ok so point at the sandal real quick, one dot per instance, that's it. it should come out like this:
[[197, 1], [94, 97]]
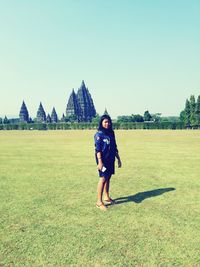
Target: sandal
[[101, 207], [109, 201]]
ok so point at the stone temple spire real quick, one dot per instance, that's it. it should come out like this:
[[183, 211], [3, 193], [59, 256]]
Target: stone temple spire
[[73, 107], [54, 116], [41, 115], [86, 103], [48, 120], [23, 114], [81, 104]]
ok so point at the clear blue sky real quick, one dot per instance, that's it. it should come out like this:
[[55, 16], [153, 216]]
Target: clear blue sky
[[134, 55]]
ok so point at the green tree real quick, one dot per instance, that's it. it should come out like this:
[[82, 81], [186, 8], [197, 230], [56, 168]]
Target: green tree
[[192, 111], [198, 111], [171, 118], [147, 116], [71, 118], [125, 118], [6, 120], [138, 118], [96, 118], [187, 113], [182, 116], [156, 117]]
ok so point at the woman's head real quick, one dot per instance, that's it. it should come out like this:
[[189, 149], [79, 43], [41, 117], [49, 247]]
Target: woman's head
[[105, 123]]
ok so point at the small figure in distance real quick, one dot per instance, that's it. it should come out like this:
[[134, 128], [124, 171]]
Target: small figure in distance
[[105, 152]]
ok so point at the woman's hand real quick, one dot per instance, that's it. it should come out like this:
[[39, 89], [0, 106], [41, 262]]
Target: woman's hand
[[119, 163], [119, 160], [100, 165]]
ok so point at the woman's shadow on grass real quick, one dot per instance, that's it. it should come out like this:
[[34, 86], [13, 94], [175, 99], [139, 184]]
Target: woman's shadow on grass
[[139, 197]]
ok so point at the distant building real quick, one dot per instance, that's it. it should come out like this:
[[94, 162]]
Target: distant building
[[73, 107], [54, 116], [80, 108], [81, 105], [23, 114], [48, 120], [41, 115]]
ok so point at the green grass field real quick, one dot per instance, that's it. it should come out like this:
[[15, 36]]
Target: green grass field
[[48, 186]]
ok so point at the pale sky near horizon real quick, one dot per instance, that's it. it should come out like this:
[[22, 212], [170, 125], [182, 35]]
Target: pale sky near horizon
[[134, 55]]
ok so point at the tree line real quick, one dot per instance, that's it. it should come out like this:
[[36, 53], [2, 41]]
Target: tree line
[[189, 119], [190, 116], [91, 125]]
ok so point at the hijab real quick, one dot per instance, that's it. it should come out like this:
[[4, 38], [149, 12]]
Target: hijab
[[108, 131]]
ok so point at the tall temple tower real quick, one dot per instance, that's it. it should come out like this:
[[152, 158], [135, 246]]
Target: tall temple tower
[[54, 116], [23, 114], [81, 105], [73, 107], [86, 103], [41, 115]]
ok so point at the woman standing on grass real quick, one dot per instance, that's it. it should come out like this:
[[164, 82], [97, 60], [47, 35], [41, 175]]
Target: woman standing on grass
[[105, 152]]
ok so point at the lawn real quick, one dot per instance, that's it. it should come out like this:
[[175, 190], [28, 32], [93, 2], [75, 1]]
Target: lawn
[[48, 183]]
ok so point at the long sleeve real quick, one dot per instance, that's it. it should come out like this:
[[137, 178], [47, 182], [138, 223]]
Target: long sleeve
[[115, 144], [98, 143]]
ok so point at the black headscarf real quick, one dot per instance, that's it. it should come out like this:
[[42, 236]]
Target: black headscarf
[[108, 131]]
